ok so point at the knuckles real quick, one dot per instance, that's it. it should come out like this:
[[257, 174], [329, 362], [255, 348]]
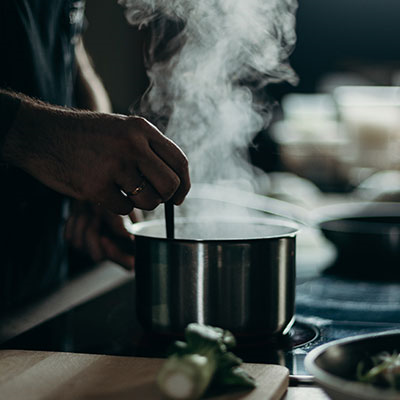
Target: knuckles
[[140, 125], [129, 148]]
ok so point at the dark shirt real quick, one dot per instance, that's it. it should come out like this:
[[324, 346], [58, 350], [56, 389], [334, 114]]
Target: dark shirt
[[37, 39]]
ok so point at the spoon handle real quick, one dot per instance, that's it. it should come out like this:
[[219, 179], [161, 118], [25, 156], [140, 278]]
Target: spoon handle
[[169, 219]]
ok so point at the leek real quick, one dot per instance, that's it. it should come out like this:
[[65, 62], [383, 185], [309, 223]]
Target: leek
[[202, 360]]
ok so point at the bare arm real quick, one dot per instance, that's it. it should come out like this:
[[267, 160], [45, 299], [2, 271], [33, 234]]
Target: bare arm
[[93, 156], [90, 229], [90, 92]]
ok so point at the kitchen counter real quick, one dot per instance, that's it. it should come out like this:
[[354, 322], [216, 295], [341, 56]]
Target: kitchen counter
[[77, 290], [66, 320], [80, 291], [39, 375]]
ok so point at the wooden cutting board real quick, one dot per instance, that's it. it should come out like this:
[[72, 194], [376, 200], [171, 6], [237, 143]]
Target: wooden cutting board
[[34, 375]]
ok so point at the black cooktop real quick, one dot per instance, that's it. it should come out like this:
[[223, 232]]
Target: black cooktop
[[328, 308]]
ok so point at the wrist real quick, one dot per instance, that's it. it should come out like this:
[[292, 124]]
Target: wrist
[[35, 140], [19, 137]]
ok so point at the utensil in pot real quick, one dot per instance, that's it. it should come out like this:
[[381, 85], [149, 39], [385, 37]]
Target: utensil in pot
[[169, 219], [235, 273]]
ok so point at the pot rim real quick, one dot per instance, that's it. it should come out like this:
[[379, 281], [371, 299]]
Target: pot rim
[[291, 227]]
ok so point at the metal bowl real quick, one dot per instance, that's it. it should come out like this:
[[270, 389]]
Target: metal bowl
[[366, 236], [333, 366]]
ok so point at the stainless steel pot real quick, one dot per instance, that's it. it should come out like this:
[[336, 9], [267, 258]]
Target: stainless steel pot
[[236, 274]]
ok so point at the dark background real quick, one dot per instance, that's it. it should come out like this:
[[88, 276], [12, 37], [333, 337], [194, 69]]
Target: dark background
[[357, 36], [338, 42]]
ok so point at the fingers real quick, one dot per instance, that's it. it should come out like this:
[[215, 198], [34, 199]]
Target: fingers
[[134, 157], [100, 234], [136, 215], [76, 224], [82, 232], [115, 254], [173, 156], [81, 223], [116, 225], [115, 201], [147, 198], [163, 163], [93, 242], [160, 176]]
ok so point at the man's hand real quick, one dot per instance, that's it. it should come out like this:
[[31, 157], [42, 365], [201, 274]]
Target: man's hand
[[99, 234], [97, 157]]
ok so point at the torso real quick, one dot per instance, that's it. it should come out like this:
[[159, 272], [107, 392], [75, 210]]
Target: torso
[[37, 40]]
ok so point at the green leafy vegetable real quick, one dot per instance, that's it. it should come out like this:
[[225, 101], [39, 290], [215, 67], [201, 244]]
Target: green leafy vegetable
[[203, 359], [385, 370]]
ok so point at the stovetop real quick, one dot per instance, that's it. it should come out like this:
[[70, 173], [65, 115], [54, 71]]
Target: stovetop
[[327, 308]]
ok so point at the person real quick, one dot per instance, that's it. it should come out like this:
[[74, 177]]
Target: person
[[59, 141]]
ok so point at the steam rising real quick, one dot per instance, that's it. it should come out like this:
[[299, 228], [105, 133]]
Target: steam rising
[[215, 56]]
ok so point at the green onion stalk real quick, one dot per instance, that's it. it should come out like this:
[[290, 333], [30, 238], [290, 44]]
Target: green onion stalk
[[202, 360]]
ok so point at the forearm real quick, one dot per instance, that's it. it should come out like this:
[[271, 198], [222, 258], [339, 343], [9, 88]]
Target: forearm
[[90, 92], [93, 156], [54, 143], [39, 135]]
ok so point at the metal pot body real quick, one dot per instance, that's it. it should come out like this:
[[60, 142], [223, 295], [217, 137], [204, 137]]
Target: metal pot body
[[244, 285]]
